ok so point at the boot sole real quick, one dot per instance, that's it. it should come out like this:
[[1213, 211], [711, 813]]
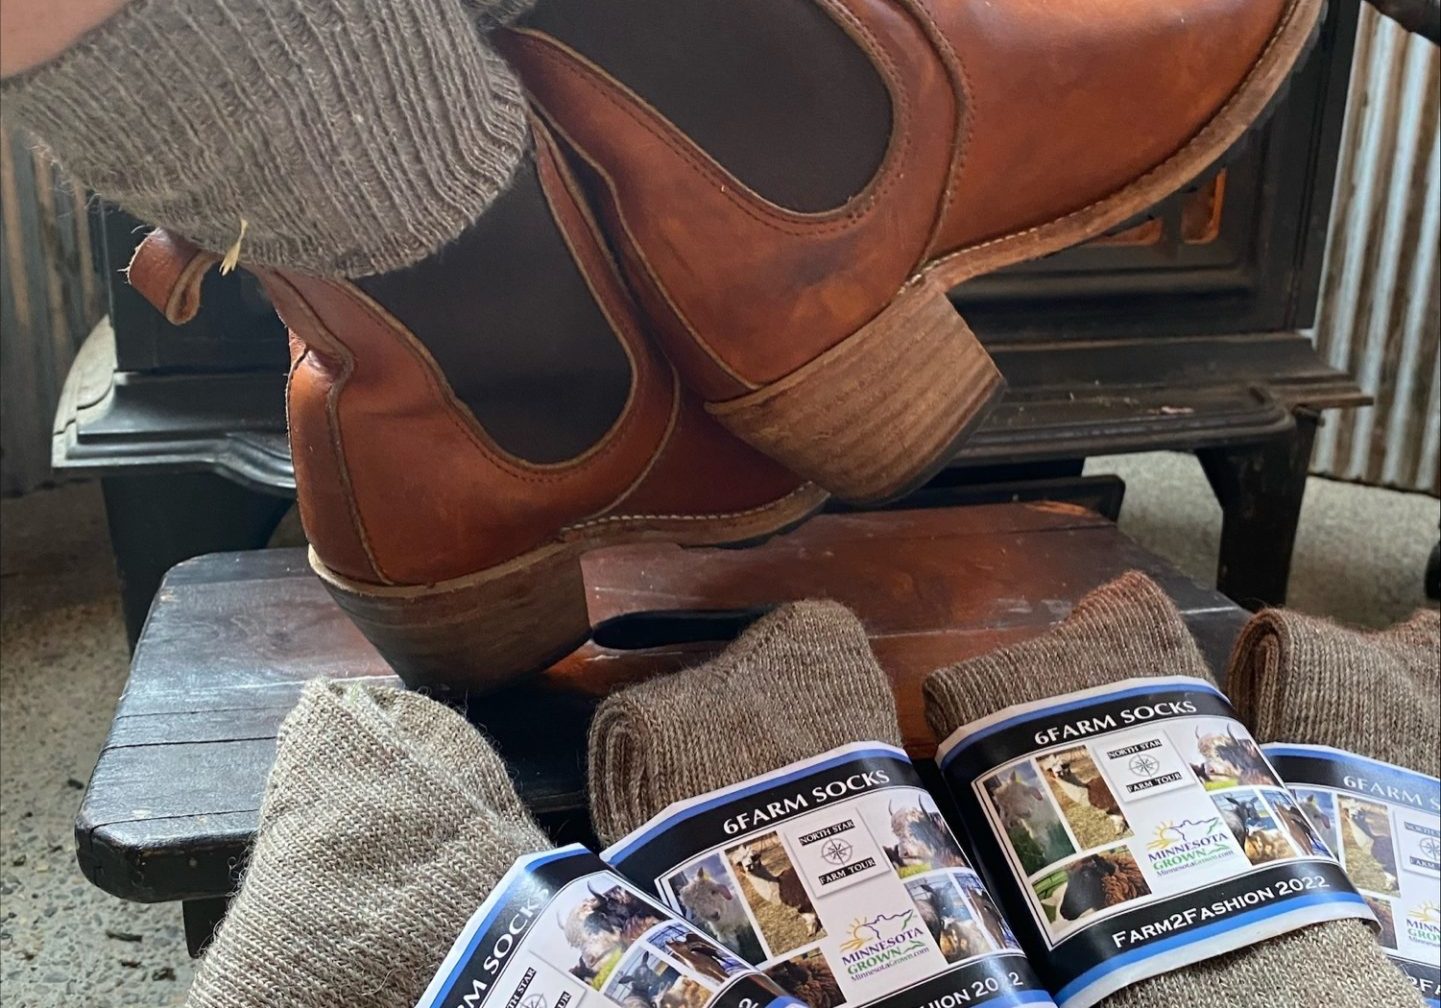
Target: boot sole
[[882, 411], [488, 628]]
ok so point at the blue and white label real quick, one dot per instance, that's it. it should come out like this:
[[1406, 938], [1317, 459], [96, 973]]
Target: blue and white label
[[839, 877], [561, 930], [1384, 823], [1135, 829]]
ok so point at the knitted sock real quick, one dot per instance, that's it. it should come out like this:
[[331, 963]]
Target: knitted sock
[[350, 137], [387, 820], [1298, 678], [798, 683], [1126, 629]]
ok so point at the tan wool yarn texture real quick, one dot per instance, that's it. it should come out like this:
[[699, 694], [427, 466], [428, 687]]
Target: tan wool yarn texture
[[350, 137], [1298, 678], [387, 819], [799, 682], [1128, 629]]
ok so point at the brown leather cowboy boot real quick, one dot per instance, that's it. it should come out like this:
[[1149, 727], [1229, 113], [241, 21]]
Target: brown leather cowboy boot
[[793, 185], [462, 430]]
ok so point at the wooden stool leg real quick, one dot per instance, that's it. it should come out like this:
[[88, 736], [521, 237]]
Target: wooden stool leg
[[201, 917]]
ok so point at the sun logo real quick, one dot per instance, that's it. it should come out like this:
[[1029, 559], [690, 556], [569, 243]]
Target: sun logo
[[864, 931], [1426, 913], [1166, 835]]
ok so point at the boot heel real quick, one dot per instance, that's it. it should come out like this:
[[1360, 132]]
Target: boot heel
[[879, 413], [477, 632]]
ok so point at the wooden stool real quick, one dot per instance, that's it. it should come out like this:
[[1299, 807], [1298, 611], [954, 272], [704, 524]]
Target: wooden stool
[[231, 638]]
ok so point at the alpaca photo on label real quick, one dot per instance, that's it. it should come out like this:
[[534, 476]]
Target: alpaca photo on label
[[1304, 835], [808, 976], [773, 890], [1254, 825], [1320, 809], [1088, 885], [1029, 816], [947, 916], [1367, 848], [709, 896], [1085, 797]]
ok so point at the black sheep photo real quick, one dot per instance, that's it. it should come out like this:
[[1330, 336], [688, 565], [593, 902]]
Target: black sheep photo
[[773, 890], [1092, 884], [808, 976]]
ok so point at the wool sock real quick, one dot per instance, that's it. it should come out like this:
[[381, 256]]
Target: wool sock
[[798, 683], [1127, 629], [387, 819], [350, 137], [1297, 678]]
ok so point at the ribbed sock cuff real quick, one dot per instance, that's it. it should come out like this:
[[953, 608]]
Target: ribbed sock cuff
[[799, 682], [1126, 629], [1297, 678], [387, 819], [351, 137]]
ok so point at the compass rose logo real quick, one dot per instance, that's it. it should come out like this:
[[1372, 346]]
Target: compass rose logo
[[837, 852], [534, 1001], [1431, 847], [1143, 766]]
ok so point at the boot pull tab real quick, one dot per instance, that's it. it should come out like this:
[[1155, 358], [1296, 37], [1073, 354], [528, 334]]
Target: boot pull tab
[[167, 271]]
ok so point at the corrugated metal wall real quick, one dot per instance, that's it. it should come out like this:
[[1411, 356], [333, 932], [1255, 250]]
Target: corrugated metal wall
[[50, 298], [1380, 313]]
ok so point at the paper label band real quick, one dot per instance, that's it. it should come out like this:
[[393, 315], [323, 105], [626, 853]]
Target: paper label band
[[562, 931], [839, 878], [1384, 823], [1135, 829]]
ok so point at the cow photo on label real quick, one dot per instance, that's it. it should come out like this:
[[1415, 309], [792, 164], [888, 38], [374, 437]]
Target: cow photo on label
[[920, 840], [773, 890], [1254, 825], [947, 916], [1222, 755], [1029, 816], [709, 896], [1085, 797], [1089, 885], [1368, 850]]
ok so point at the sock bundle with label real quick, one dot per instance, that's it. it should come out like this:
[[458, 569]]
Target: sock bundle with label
[[1127, 629], [1297, 678], [351, 137], [387, 819], [798, 683]]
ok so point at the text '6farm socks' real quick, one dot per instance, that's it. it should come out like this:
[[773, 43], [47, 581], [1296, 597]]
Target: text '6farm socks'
[[1127, 629], [387, 820]]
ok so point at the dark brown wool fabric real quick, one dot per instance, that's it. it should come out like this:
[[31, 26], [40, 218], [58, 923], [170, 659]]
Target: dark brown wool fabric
[[1297, 678], [387, 819], [799, 682], [1126, 629]]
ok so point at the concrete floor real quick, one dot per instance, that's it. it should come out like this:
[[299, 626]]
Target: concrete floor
[[1360, 556]]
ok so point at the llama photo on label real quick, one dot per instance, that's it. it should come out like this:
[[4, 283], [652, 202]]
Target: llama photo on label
[[1304, 835], [808, 976], [773, 890], [1367, 847], [1223, 755], [1089, 885], [709, 897], [1085, 797], [947, 916], [920, 840], [1029, 816], [1254, 825], [1320, 809]]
